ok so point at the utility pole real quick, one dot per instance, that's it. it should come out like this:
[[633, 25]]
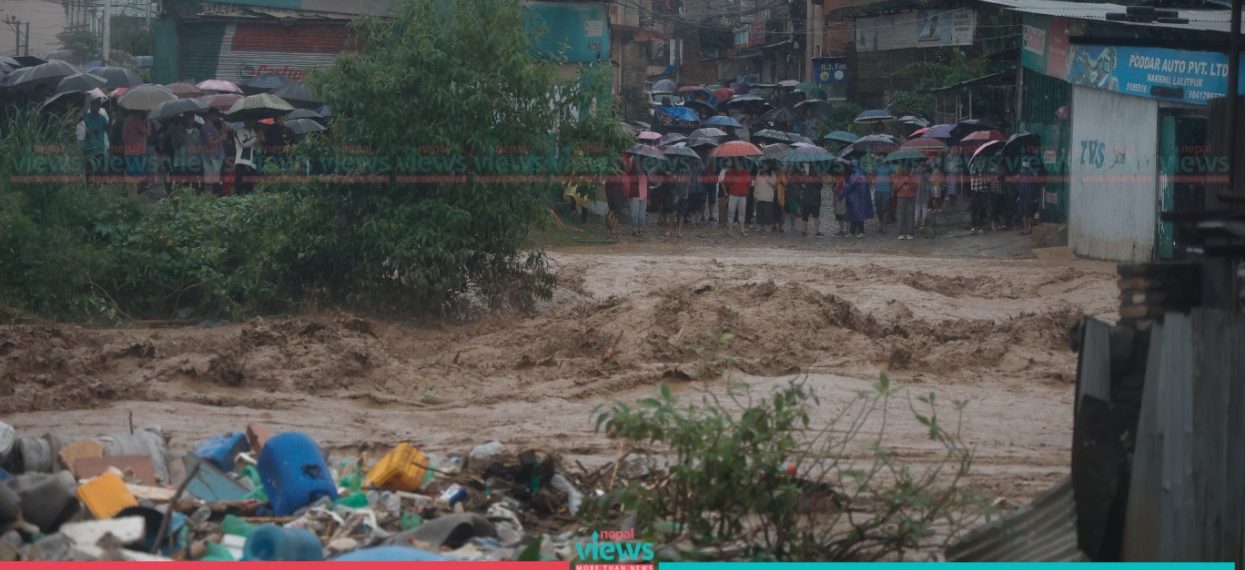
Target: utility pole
[[16, 24], [107, 32], [27, 36]]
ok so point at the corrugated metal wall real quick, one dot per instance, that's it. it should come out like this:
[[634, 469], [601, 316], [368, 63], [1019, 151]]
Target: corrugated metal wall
[[1113, 209], [242, 50]]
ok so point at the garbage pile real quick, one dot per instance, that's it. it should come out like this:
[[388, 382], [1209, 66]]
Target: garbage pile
[[260, 495]]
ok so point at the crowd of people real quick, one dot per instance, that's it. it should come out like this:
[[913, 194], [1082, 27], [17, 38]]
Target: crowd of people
[[764, 195], [197, 149]]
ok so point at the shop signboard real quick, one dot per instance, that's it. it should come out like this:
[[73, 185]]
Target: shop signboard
[[916, 29], [830, 70], [1192, 77]]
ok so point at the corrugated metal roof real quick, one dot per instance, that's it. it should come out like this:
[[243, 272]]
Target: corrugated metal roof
[[1199, 20], [1043, 531]]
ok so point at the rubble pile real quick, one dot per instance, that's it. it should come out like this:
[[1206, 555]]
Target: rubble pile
[[261, 495]]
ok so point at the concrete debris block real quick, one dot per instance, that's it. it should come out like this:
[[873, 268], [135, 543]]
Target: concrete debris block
[[87, 448], [10, 506], [449, 531], [121, 530], [8, 439], [134, 467], [48, 500]]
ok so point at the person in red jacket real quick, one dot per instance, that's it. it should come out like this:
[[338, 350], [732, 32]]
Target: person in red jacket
[[737, 183]]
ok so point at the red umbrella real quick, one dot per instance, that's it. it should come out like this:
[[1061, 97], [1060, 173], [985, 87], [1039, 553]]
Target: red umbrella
[[925, 143], [735, 149], [723, 94], [918, 132], [984, 136]]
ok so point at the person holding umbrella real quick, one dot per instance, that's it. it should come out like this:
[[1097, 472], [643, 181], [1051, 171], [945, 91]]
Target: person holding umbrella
[[134, 137], [187, 150], [214, 133], [765, 190], [883, 174], [905, 201], [637, 195], [246, 142], [737, 182], [93, 137], [856, 199]]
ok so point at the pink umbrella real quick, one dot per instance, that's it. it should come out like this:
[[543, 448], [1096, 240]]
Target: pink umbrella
[[118, 92], [219, 86], [918, 132], [723, 94], [648, 136], [984, 136]]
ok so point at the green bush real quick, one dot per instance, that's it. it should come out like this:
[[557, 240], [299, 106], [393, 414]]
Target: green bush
[[759, 471], [455, 77]]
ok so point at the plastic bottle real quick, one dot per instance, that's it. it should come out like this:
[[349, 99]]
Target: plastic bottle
[[272, 543], [294, 473], [236, 526]]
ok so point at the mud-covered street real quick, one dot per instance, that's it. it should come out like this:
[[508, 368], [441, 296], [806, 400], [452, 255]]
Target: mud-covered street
[[625, 318]]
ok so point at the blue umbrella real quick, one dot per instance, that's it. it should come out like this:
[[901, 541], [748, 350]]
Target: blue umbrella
[[874, 116], [721, 121], [841, 136], [942, 131], [680, 113]]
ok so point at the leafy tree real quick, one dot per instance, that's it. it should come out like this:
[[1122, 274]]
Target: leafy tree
[[454, 83], [82, 43]]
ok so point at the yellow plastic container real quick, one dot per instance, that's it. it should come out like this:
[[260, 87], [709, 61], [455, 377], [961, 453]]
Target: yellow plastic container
[[402, 469], [106, 495]]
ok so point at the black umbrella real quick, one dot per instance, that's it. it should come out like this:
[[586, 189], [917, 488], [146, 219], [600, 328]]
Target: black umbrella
[[681, 151], [782, 116], [15, 76], [1019, 142], [798, 138], [304, 126], [262, 83], [671, 138], [297, 94], [118, 76], [772, 135], [29, 60], [50, 71], [695, 143], [747, 101], [647, 151], [872, 142], [80, 82], [170, 109], [310, 114], [964, 128]]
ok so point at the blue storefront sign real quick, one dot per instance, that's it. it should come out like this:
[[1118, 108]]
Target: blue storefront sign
[[1193, 77], [830, 70], [578, 32]]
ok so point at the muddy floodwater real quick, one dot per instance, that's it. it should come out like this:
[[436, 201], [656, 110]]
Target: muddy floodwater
[[625, 319]]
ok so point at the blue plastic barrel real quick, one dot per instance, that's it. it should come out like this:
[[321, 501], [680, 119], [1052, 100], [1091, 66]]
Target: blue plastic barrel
[[294, 473], [271, 543], [222, 450]]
